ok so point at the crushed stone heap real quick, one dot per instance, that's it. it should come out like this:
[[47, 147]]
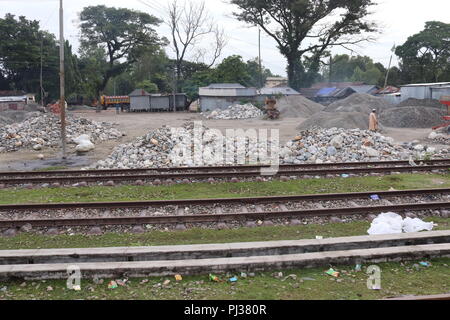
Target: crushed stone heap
[[235, 111], [157, 149], [297, 107], [359, 102], [412, 117], [44, 131], [319, 145]]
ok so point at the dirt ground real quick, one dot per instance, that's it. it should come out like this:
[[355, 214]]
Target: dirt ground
[[138, 124]]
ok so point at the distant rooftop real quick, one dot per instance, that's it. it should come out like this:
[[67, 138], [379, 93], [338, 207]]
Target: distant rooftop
[[278, 90], [276, 79], [339, 85], [12, 93], [225, 86], [139, 92], [426, 84]]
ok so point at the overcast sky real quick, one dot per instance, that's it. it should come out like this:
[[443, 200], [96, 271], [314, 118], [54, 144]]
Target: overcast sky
[[398, 19]]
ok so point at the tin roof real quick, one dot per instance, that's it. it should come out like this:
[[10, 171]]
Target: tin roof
[[139, 92], [225, 86], [426, 84], [278, 90]]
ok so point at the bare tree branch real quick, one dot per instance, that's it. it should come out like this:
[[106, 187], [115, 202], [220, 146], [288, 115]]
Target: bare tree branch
[[189, 24]]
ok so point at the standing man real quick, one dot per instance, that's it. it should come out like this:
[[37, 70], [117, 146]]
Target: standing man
[[373, 121]]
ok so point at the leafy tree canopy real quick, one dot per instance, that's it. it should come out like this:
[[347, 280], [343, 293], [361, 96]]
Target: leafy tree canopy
[[425, 55], [123, 34], [305, 29]]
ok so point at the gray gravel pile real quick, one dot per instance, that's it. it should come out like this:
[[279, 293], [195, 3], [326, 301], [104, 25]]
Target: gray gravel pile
[[235, 111], [44, 131], [412, 102], [297, 107], [412, 117], [350, 113], [319, 145], [359, 102], [345, 120]]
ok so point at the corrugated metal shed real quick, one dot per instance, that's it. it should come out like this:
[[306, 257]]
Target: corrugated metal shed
[[227, 90], [225, 86], [287, 91], [370, 89], [326, 92]]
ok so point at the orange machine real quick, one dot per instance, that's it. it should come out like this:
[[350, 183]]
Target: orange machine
[[445, 100], [107, 101]]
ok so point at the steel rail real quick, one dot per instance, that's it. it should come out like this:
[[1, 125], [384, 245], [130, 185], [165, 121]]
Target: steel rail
[[212, 168], [205, 175], [248, 200], [175, 219]]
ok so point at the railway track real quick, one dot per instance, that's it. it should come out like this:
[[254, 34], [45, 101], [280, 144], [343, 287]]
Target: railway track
[[432, 199], [221, 258], [190, 174]]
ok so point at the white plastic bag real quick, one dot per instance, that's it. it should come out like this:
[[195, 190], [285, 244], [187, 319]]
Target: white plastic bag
[[386, 223], [416, 225], [391, 223], [84, 143]]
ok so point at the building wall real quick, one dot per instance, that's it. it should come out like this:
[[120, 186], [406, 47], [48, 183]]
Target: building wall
[[392, 99], [213, 103], [140, 103], [6, 106], [227, 92], [437, 93]]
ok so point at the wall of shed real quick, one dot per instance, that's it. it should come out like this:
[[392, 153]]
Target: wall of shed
[[213, 103], [140, 103], [437, 93]]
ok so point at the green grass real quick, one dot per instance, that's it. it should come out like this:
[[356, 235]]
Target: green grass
[[397, 279], [54, 168], [197, 236], [224, 190]]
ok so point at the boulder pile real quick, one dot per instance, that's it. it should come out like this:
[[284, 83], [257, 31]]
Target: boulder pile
[[340, 145], [162, 148], [236, 111], [44, 131], [440, 137]]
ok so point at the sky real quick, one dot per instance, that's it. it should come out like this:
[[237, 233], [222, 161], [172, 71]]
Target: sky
[[397, 19]]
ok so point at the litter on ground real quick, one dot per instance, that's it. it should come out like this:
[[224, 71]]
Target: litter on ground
[[392, 223]]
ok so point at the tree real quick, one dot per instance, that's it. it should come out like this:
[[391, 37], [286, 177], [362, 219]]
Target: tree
[[148, 86], [425, 55], [233, 70], [257, 77], [20, 59], [305, 29], [358, 68], [190, 24], [122, 34]]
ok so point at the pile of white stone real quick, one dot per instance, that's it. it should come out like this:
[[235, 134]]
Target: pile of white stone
[[319, 145], [193, 145], [44, 131], [440, 137], [236, 111]]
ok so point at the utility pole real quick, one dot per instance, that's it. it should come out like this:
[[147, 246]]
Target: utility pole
[[260, 64], [62, 98], [389, 68], [175, 88], [42, 87]]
